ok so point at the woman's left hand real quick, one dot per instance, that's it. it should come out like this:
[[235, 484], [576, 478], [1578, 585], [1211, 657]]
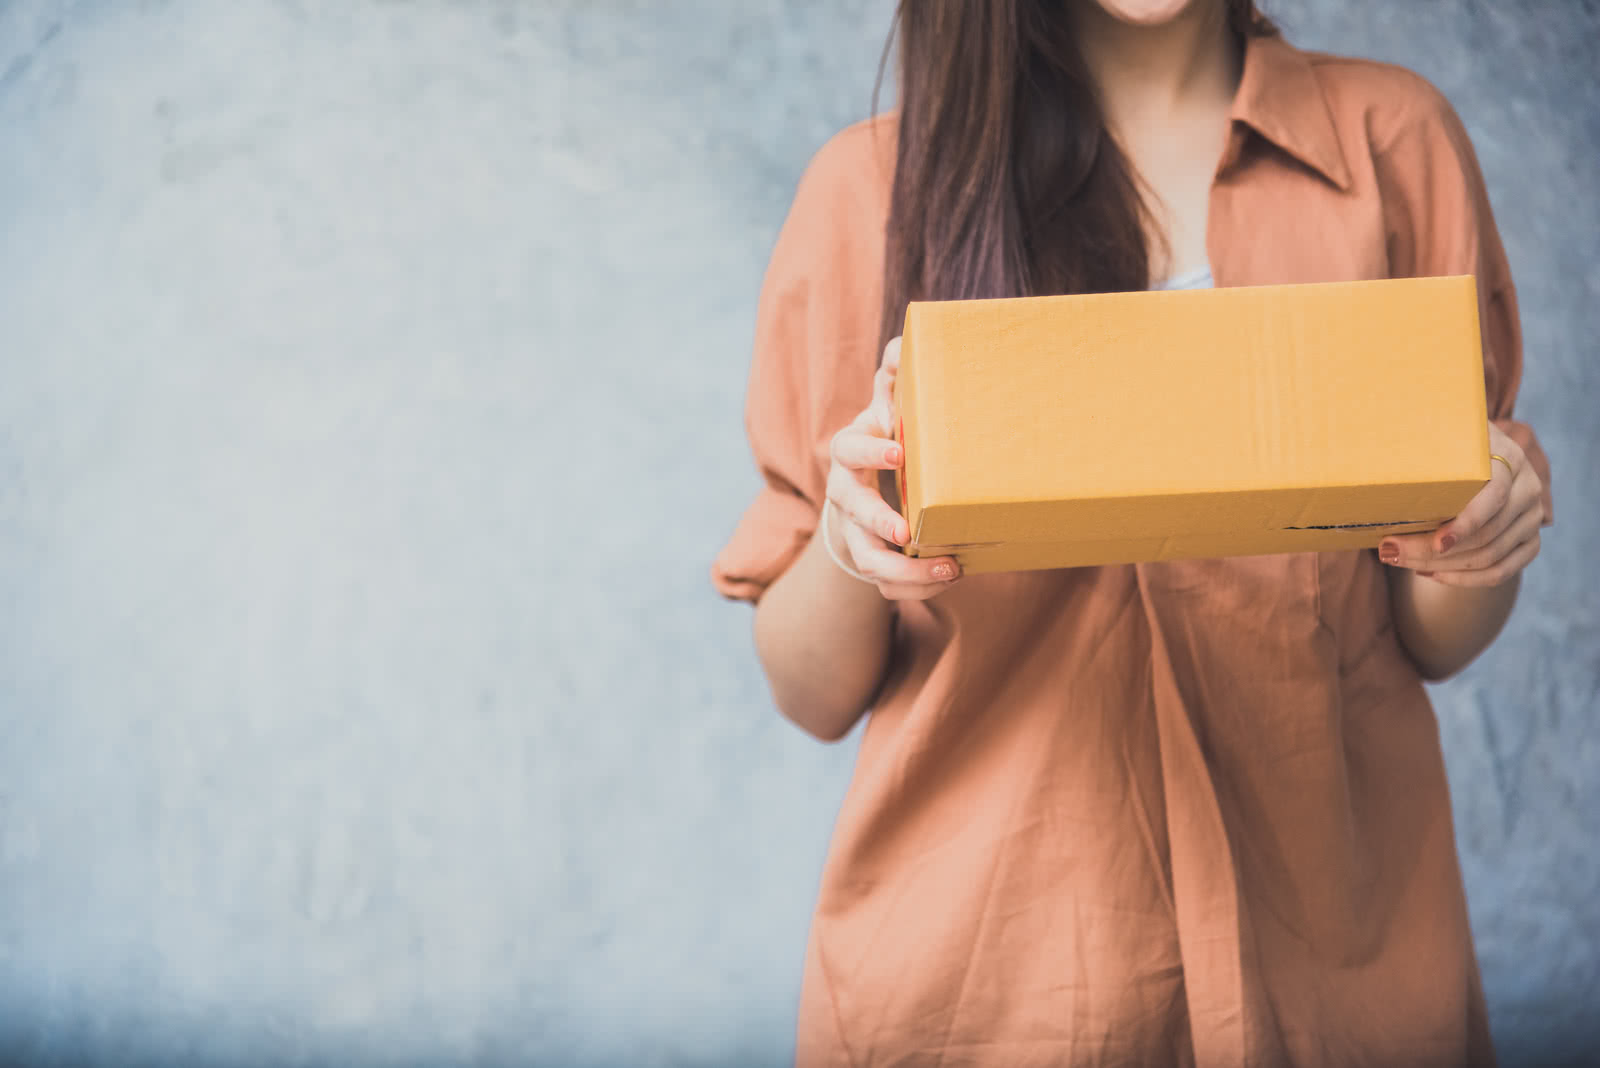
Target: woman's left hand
[[1495, 536]]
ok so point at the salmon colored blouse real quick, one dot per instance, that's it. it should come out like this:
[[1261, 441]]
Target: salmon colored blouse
[[1190, 812]]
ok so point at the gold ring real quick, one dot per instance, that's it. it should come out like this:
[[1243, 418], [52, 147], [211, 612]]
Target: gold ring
[[1502, 459]]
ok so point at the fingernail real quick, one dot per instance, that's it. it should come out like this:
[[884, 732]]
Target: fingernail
[[1447, 543], [1389, 552], [943, 571], [892, 454]]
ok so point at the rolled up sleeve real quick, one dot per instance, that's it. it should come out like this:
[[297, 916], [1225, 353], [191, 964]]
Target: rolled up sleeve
[[815, 353], [1439, 222]]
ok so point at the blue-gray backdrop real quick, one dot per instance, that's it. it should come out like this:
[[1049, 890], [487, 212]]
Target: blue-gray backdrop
[[370, 385]]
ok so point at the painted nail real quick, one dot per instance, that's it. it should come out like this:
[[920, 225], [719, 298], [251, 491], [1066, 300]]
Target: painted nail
[[1389, 552], [944, 571], [1447, 543]]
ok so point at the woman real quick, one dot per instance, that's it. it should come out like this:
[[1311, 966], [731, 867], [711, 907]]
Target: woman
[[1190, 812]]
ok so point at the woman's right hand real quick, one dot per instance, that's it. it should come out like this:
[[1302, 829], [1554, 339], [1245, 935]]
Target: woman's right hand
[[862, 523]]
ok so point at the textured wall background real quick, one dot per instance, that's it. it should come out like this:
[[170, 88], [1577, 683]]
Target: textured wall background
[[370, 377]]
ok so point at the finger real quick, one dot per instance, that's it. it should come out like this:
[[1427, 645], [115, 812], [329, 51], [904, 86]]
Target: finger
[[1525, 495], [883, 386], [1482, 508], [894, 592], [861, 451], [1510, 565], [1408, 550], [1525, 526], [1478, 524], [891, 355], [868, 421], [877, 561], [1484, 535], [863, 506]]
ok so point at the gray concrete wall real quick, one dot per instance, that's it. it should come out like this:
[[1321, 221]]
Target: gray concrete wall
[[370, 377]]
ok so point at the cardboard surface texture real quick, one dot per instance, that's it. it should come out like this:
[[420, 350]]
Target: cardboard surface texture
[[1122, 427]]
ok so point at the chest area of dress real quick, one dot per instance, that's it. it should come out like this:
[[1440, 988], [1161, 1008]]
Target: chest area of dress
[[1309, 609], [1276, 226], [1222, 588]]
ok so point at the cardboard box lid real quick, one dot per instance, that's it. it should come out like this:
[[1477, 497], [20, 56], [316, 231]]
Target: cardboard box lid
[[1133, 414]]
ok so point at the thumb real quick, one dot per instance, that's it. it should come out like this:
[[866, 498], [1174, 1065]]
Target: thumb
[[883, 385]]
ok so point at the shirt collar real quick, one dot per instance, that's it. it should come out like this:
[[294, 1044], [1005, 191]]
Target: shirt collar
[[1280, 98]]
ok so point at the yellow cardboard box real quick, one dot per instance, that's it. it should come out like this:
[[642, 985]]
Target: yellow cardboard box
[[1112, 428]]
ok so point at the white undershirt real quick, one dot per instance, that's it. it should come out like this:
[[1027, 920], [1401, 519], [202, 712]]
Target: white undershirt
[[1197, 279]]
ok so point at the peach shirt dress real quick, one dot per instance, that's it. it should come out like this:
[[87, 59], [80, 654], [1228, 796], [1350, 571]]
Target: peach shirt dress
[[1178, 813]]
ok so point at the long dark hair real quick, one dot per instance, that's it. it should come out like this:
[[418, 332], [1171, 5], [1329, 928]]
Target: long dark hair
[[1007, 182]]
